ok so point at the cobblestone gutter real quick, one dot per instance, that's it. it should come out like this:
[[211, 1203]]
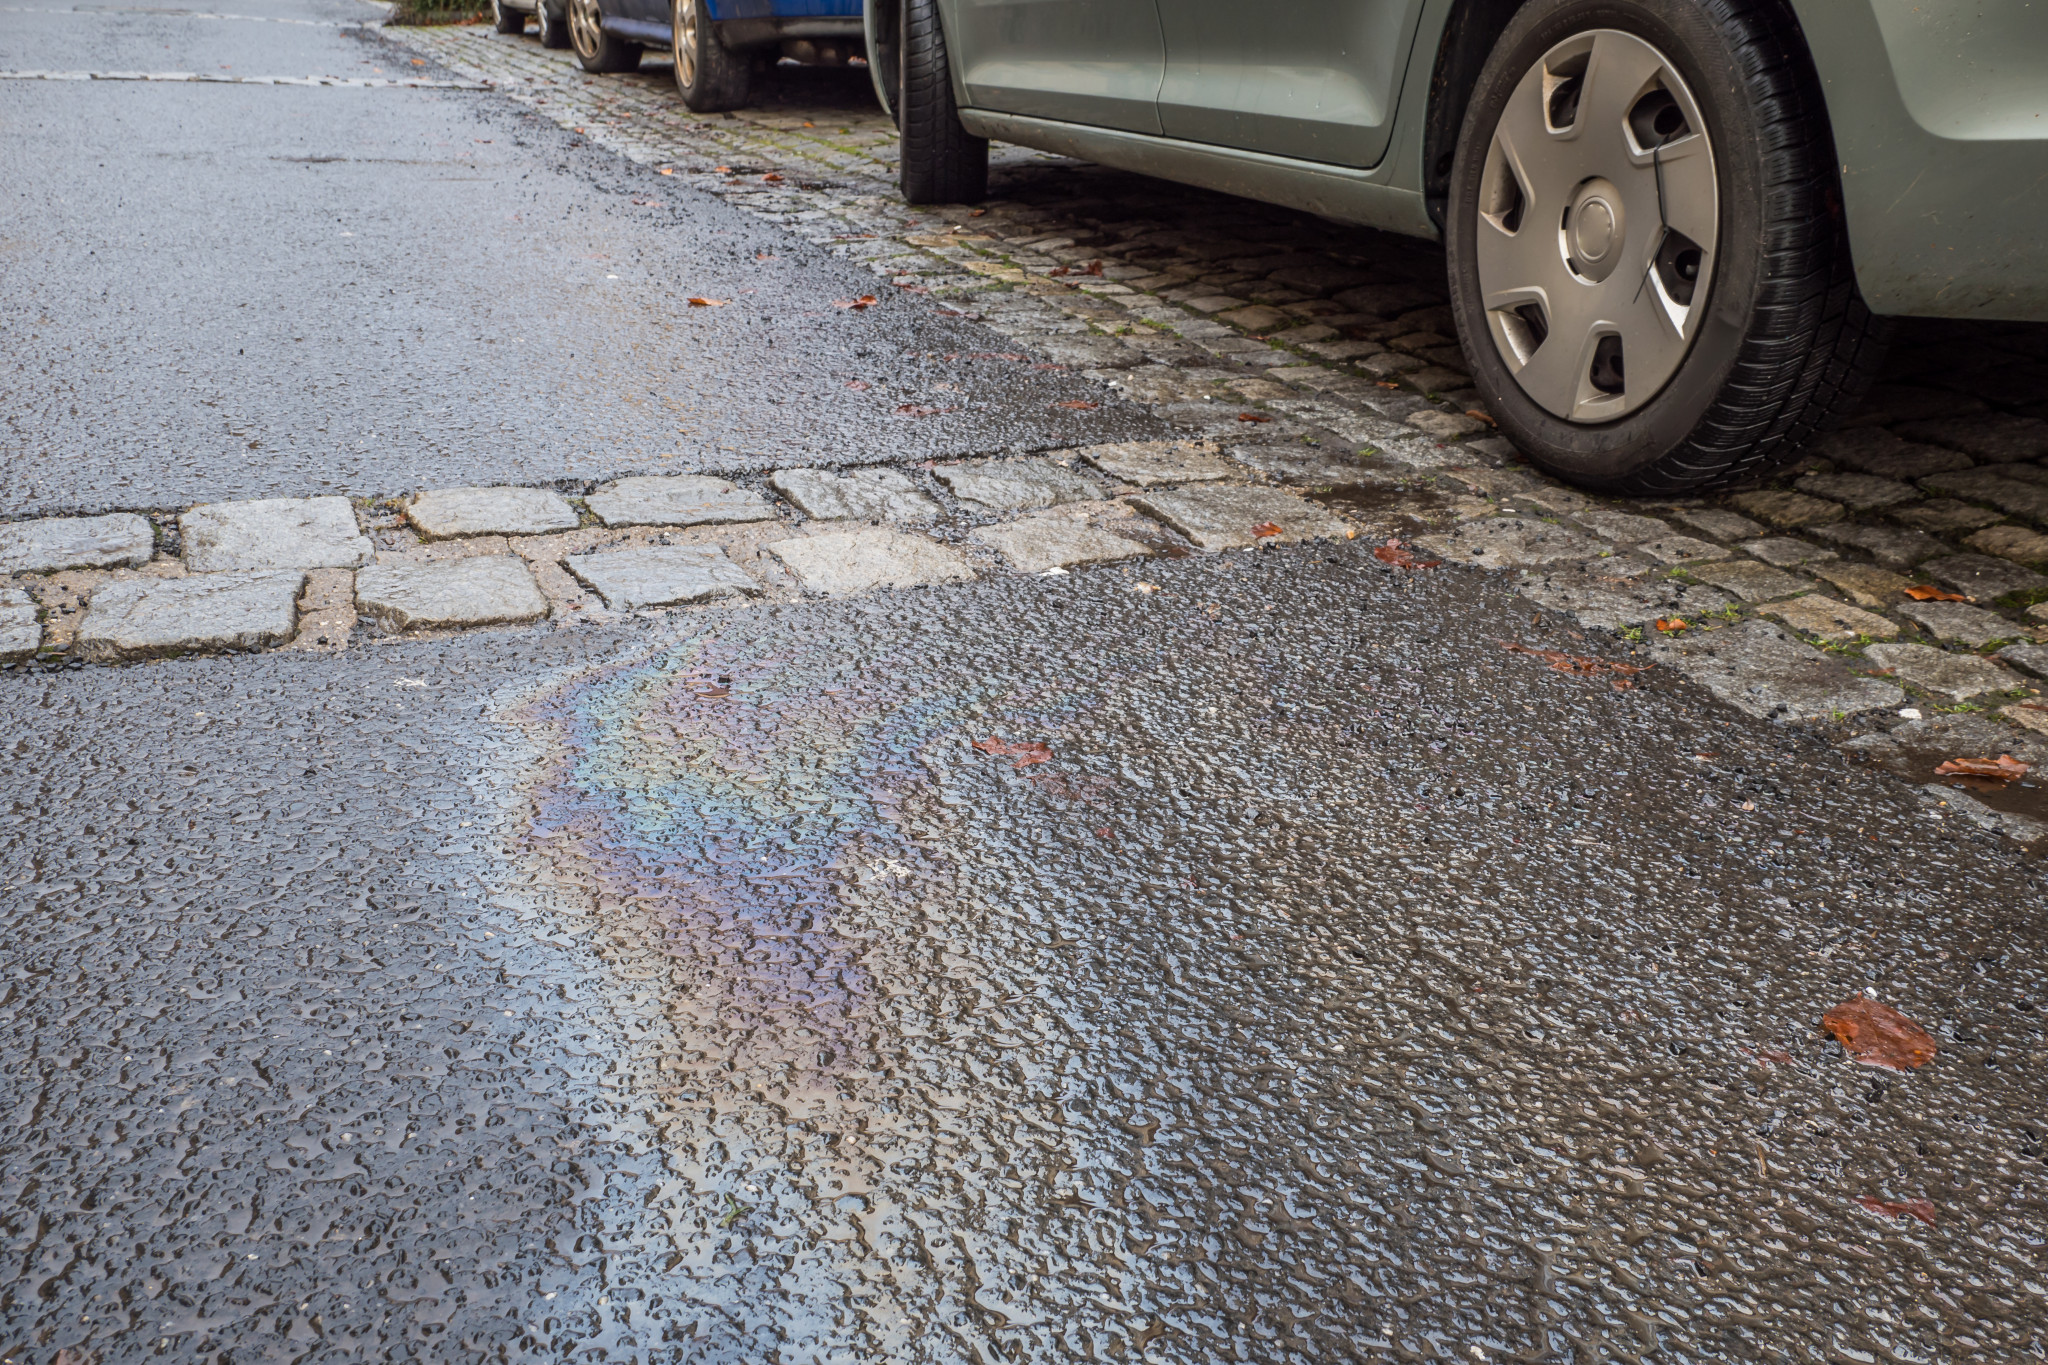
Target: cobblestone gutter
[[1311, 371]]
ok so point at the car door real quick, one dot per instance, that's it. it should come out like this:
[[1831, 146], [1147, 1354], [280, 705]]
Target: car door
[[1097, 62], [1314, 79]]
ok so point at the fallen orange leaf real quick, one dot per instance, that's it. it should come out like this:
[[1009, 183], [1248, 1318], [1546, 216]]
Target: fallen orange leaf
[[1875, 1034], [1026, 752], [666, 170], [1885, 1208], [1485, 417], [977, 213], [1095, 267], [1920, 592], [1265, 529], [771, 176], [864, 301], [1253, 417], [697, 302], [723, 170], [1579, 665], [1077, 404], [1401, 557], [1668, 624], [2005, 768]]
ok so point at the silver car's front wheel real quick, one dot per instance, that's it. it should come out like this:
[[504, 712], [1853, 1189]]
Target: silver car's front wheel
[[597, 50], [1598, 216], [1648, 262]]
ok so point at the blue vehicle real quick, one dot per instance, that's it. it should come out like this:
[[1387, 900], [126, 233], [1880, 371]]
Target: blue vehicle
[[718, 44]]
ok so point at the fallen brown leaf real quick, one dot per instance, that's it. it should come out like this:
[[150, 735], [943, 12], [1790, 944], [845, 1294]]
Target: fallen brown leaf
[[1921, 592], [919, 410], [1667, 624], [1078, 404], [666, 170], [1057, 270], [1095, 268], [1875, 1034], [977, 213], [723, 170], [864, 301], [1265, 529], [771, 176], [696, 302], [2004, 768], [1253, 417], [1885, 1208], [1026, 752], [857, 384], [1401, 557], [1485, 417], [1771, 1054], [1580, 665]]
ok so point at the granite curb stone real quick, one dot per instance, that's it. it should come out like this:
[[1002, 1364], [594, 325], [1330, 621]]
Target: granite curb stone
[[21, 633], [1512, 543], [1047, 540], [1019, 485], [1146, 463], [848, 562], [1958, 677], [1231, 518], [119, 540], [677, 500], [1972, 626], [1760, 669], [148, 618], [481, 590], [660, 575], [880, 494], [502, 511], [273, 533]]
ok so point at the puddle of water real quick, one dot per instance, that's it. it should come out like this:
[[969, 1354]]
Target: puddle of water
[[2028, 796]]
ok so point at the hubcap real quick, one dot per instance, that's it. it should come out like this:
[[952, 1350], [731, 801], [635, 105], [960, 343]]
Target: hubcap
[[585, 26], [684, 29], [1599, 211]]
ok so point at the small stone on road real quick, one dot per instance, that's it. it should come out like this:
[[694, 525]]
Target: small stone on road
[[122, 540], [677, 500], [483, 590], [273, 533], [153, 617], [660, 575], [853, 561], [450, 512]]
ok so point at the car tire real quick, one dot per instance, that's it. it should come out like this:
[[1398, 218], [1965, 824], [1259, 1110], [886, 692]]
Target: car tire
[[552, 27], [597, 50], [939, 162], [710, 77], [1698, 273], [505, 19]]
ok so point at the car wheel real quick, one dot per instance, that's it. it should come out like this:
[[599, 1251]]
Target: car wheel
[[551, 26], [506, 19], [1648, 262], [938, 161], [709, 76], [597, 50]]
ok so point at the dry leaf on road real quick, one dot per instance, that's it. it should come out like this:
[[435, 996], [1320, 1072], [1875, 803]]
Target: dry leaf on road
[[1875, 1034], [1885, 1208], [697, 302], [864, 301], [1026, 752], [1078, 404], [1921, 592], [1667, 624], [1401, 557], [2004, 768], [1580, 665], [1253, 417], [1265, 529]]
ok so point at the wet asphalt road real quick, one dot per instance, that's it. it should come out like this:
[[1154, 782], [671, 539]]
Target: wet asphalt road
[[1342, 987], [236, 291]]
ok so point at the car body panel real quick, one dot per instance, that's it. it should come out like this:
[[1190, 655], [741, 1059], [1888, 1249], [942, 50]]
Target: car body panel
[[1093, 62], [1314, 80], [1940, 117], [741, 23], [784, 9]]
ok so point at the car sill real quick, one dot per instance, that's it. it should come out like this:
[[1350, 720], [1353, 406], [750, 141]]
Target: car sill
[[1349, 196]]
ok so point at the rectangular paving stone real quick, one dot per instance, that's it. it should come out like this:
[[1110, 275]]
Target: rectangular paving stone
[[874, 557], [1228, 518], [1623, 528], [1982, 576], [1990, 485], [482, 590], [1717, 523], [1957, 677], [1990, 438], [2016, 543], [1968, 625], [149, 618], [1835, 622], [857, 495], [1943, 516], [1787, 510], [2033, 658], [1147, 463], [1016, 485], [1599, 603], [1748, 580], [1891, 546], [660, 575], [120, 540], [1682, 550], [677, 500], [1875, 451], [1859, 491], [448, 512], [273, 533], [21, 635], [1048, 540], [1787, 552], [1866, 584], [1761, 669]]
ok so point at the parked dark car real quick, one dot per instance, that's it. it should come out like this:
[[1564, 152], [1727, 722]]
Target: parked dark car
[[1675, 229], [718, 44], [547, 15]]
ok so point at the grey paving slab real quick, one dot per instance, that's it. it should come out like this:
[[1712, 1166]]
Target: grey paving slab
[[2016, 543], [1148, 463], [1957, 677], [1682, 550], [1866, 584], [1995, 486], [1228, 518], [1787, 552], [1891, 546], [847, 562], [1596, 601], [1827, 619], [677, 500], [1990, 438], [660, 575], [1984, 577], [20, 633], [121, 540], [1972, 626], [1876, 452], [449, 512], [1962, 735], [1048, 540], [1512, 543], [1717, 523], [273, 533], [1750, 581], [1786, 509], [1307, 465], [1859, 491], [483, 590], [856, 495], [152, 617], [1761, 669], [1944, 516], [1623, 528], [1017, 485], [2033, 658]]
